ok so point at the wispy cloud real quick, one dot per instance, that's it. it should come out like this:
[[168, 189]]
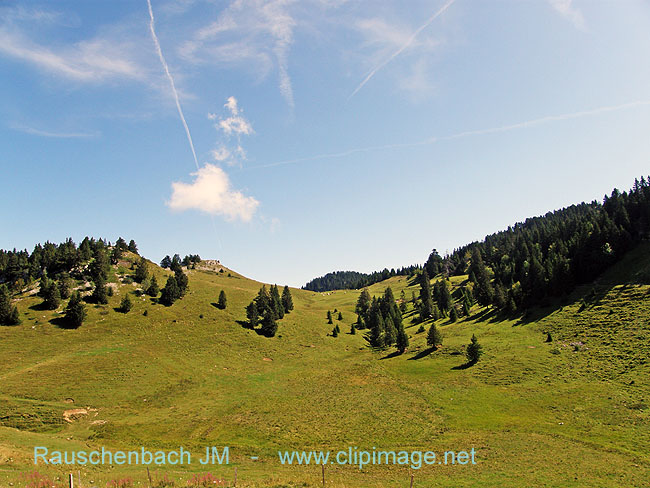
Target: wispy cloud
[[408, 42], [567, 10], [152, 29], [469, 133], [235, 124], [211, 192], [58, 135], [91, 60], [255, 33]]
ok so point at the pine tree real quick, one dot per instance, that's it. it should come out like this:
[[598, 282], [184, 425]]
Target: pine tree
[[171, 292], [142, 271], [64, 284], [427, 308], [473, 351], [340, 317], [99, 293], [52, 297], [434, 338], [99, 266], [377, 333], [329, 317], [126, 305], [453, 314], [363, 304], [353, 330], [221, 303], [153, 289], [287, 300], [402, 340], [133, 247], [252, 314], [269, 324], [8, 312], [181, 281], [391, 332], [466, 306], [335, 332], [276, 302], [75, 312], [166, 262]]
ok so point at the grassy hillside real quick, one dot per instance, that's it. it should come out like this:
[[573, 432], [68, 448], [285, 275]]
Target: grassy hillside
[[573, 412]]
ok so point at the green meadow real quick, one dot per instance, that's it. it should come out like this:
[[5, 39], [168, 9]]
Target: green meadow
[[573, 412]]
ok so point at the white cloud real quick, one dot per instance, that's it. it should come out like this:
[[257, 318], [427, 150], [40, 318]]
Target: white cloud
[[57, 135], [569, 12], [235, 124], [221, 153], [211, 193], [252, 33], [90, 60]]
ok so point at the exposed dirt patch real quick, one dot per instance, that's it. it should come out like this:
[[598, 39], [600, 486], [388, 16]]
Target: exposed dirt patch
[[74, 414]]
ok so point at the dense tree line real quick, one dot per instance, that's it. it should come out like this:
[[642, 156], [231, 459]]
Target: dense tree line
[[20, 268], [383, 318], [188, 261], [267, 308], [548, 256], [353, 280]]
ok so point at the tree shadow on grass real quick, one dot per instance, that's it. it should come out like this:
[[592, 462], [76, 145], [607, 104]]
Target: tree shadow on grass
[[38, 307], [246, 325], [62, 323], [393, 354], [463, 366], [422, 354]]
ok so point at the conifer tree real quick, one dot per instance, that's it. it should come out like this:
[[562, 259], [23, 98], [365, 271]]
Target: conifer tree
[[133, 247], [453, 314], [166, 262], [52, 297], [335, 332], [276, 302], [8, 312], [64, 284], [142, 270], [153, 289], [329, 317], [181, 281], [99, 293], [434, 338], [363, 304], [75, 312], [391, 332], [340, 317], [126, 304], [402, 340], [252, 314], [473, 351], [221, 303], [287, 300], [353, 330], [269, 326], [171, 292]]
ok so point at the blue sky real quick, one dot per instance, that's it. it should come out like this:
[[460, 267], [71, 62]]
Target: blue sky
[[328, 134]]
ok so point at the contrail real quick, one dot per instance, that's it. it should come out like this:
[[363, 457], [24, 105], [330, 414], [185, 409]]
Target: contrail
[[469, 133], [404, 46], [152, 28]]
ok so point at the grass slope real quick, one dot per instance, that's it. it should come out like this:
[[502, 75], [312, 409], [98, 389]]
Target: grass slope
[[538, 414]]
